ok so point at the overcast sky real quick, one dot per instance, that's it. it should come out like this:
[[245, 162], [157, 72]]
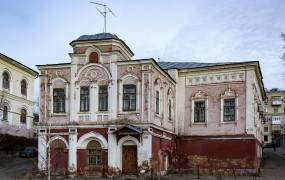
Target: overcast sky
[[39, 31]]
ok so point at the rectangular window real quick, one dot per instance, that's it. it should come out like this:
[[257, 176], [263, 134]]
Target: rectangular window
[[58, 100], [129, 98], [157, 102], [103, 98], [229, 110], [94, 157], [275, 109], [200, 111], [265, 129], [84, 99], [265, 138]]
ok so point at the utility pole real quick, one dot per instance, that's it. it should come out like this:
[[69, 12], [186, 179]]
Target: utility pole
[[104, 13]]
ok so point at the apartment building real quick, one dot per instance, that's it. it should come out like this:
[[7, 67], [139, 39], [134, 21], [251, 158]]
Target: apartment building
[[274, 126]]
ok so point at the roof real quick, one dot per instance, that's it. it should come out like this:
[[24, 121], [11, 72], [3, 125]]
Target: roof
[[190, 65], [129, 129], [17, 63], [100, 37], [58, 64]]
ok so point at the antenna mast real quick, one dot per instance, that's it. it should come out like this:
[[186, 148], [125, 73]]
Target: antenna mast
[[104, 13]]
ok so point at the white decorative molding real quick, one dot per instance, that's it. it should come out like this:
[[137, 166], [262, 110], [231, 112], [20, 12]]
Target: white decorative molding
[[86, 138], [214, 78], [199, 96], [229, 94]]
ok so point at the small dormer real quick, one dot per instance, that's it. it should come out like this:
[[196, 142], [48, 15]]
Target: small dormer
[[101, 47]]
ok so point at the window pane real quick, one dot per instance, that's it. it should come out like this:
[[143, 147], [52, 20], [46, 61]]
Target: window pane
[[94, 157], [23, 118], [103, 98], [5, 113], [84, 99], [229, 109], [199, 111], [58, 100], [129, 98], [23, 87], [6, 80], [169, 110], [157, 102]]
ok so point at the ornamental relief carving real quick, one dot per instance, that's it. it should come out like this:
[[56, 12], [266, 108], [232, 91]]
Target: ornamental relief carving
[[229, 93], [200, 95], [215, 78], [93, 73]]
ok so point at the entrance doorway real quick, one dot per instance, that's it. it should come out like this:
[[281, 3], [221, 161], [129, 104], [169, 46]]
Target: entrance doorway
[[129, 158]]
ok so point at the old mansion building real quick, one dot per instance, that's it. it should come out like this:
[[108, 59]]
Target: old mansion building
[[104, 113]]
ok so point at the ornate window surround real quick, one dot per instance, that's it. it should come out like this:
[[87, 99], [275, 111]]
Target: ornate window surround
[[129, 79], [170, 98], [229, 94], [66, 88], [158, 87], [199, 96]]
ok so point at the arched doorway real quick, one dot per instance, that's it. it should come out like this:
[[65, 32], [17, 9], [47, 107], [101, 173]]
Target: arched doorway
[[58, 156], [129, 158]]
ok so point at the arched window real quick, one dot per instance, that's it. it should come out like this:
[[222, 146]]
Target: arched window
[[23, 116], [6, 81], [5, 113], [24, 87], [93, 57], [94, 152]]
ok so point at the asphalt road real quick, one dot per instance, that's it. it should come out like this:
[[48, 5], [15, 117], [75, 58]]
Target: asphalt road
[[14, 168]]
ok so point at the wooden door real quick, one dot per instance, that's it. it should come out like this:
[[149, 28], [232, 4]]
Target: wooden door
[[130, 163]]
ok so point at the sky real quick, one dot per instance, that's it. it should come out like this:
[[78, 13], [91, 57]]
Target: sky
[[39, 31]]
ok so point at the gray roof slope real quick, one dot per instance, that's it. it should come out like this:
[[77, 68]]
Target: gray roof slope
[[190, 65], [99, 36]]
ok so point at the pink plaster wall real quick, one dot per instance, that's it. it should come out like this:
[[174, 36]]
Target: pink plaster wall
[[214, 127]]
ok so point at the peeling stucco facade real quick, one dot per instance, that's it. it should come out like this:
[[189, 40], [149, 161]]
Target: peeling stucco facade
[[160, 127]]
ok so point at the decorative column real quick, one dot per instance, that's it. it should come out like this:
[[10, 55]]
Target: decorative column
[[72, 151], [42, 150]]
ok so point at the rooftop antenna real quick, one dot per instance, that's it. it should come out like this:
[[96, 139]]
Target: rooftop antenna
[[104, 13]]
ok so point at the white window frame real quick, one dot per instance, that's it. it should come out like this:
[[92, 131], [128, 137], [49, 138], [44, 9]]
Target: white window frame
[[199, 96], [229, 94]]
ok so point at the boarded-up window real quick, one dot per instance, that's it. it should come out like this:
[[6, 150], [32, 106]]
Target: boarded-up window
[[93, 57]]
